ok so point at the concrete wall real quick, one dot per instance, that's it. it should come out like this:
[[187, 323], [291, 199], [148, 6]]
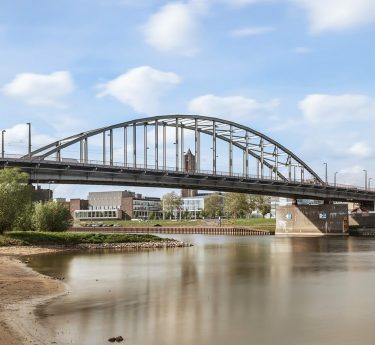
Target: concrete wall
[[312, 219], [364, 220]]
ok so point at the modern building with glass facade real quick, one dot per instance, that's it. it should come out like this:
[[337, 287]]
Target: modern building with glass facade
[[119, 205]]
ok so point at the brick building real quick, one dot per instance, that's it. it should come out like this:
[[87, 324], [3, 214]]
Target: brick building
[[116, 205]]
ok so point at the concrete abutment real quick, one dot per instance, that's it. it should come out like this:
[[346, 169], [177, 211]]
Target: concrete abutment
[[325, 219]]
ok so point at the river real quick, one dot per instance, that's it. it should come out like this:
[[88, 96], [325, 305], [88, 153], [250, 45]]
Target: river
[[223, 290]]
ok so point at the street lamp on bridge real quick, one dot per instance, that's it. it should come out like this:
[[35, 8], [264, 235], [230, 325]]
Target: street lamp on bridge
[[2, 143], [29, 145], [369, 182], [365, 171], [335, 179], [326, 164]]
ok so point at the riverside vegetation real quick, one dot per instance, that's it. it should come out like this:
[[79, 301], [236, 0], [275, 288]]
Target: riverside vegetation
[[26, 223], [29, 238]]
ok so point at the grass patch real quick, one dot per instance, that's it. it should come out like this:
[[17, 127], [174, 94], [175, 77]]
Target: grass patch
[[6, 241], [29, 238], [251, 222]]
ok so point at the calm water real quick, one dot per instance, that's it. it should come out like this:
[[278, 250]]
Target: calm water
[[224, 290]]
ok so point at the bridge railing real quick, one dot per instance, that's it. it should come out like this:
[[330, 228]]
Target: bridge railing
[[150, 167]]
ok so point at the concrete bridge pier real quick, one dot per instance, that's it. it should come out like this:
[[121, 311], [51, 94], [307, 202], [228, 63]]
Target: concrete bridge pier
[[325, 219], [368, 205], [363, 221]]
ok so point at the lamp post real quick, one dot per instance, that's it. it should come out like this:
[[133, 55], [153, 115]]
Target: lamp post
[[2, 143], [365, 171], [29, 145], [326, 164], [369, 182], [335, 179]]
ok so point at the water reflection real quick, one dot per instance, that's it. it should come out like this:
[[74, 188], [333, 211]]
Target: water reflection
[[238, 290]]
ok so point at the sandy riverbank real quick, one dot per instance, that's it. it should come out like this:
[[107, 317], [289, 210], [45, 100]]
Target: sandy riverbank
[[21, 289]]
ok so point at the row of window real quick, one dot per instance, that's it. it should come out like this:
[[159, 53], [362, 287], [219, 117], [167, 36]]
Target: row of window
[[87, 214]]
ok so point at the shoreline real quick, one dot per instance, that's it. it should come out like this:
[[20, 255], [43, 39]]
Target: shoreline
[[23, 290]]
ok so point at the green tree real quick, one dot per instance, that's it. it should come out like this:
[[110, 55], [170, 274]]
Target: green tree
[[236, 204], [24, 221], [263, 204], [213, 205], [171, 202], [51, 216], [15, 196], [152, 216]]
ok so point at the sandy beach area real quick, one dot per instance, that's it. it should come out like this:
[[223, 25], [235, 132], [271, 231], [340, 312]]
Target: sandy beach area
[[21, 290]]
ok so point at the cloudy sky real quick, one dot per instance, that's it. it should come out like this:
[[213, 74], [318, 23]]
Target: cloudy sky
[[300, 71]]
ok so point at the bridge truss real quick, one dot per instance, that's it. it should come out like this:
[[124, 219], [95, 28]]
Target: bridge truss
[[160, 143], [152, 152]]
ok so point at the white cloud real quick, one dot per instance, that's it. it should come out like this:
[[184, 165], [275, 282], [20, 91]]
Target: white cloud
[[327, 15], [141, 88], [330, 109], [241, 3], [174, 28], [232, 107], [361, 149], [40, 89], [251, 31], [302, 50]]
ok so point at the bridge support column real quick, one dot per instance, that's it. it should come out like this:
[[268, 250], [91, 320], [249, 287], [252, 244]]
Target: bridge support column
[[276, 167], [145, 147], [312, 219], [134, 145], [164, 146], [176, 143], [231, 150], [261, 158], [214, 147], [182, 163], [111, 146], [86, 150], [156, 145], [247, 155], [125, 146], [104, 153]]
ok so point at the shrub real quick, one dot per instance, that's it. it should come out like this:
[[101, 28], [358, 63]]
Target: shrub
[[25, 221], [15, 196], [51, 216]]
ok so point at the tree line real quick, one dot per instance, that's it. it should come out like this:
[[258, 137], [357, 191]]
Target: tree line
[[233, 205], [19, 212]]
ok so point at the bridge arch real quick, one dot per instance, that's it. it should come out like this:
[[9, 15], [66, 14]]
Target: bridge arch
[[249, 152]]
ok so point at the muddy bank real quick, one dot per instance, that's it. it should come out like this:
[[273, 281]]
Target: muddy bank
[[21, 289]]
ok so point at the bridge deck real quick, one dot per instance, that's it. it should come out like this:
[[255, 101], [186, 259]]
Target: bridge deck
[[45, 171]]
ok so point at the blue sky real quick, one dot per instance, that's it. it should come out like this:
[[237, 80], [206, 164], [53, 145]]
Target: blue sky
[[300, 71]]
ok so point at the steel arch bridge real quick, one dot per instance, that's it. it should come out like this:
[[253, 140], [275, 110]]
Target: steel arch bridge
[[152, 151]]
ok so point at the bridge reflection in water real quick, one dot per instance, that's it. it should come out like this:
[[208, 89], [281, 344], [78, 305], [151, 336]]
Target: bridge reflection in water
[[223, 290]]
